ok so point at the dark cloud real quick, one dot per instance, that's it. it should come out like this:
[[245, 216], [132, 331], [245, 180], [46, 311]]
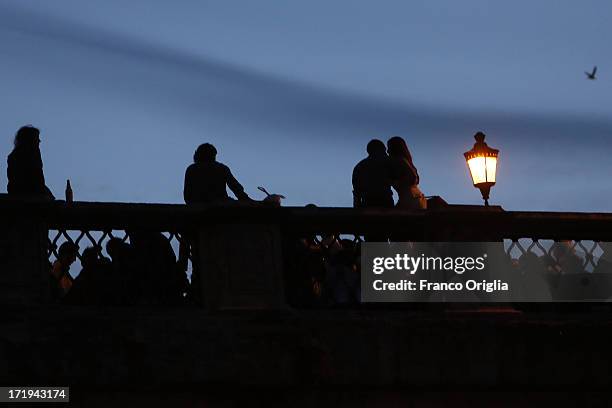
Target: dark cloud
[[264, 99]]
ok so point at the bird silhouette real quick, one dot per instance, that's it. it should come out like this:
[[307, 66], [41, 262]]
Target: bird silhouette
[[591, 75]]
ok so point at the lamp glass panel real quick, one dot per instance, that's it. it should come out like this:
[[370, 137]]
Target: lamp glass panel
[[491, 167], [478, 169]]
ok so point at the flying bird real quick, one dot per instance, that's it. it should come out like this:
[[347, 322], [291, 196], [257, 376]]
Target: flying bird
[[591, 75]]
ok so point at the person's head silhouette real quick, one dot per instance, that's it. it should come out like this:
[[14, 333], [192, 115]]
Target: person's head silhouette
[[67, 253], [116, 247], [89, 257], [375, 147], [27, 137], [205, 153], [397, 147]]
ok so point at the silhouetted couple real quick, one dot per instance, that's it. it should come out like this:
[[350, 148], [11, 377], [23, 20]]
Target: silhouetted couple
[[25, 167], [387, 167]]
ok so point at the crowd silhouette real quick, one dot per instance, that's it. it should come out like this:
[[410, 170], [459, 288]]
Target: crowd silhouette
[[322, 271], [142, 272], [145, 270]]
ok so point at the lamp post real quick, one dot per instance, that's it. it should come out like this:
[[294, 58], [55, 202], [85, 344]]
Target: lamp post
[[482, 163]]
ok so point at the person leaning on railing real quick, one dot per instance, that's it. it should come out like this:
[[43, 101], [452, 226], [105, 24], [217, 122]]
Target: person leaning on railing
[[206, 179], [206, 182]]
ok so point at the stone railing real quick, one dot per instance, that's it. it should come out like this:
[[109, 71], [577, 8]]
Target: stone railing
[[245, 255]]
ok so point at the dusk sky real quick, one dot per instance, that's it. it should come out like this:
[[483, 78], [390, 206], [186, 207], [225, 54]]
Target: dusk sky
[[291, 92]]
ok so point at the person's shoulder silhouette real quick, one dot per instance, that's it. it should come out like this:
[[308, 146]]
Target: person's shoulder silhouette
[[25, 167], [206, 179], [371, 178]]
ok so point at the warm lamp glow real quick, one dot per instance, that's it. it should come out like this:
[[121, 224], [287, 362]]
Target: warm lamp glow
[[482, 163], [483, 169]]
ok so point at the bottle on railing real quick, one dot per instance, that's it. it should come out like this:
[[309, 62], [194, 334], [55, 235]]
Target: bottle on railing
[[69, 195]]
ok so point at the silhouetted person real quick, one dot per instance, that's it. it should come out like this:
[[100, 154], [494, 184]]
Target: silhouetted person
[[159, 277], [372, 178], [90, 285], [404, 175], [60, 271], [206, 179], [123, 284], [567, 260], [341, 278], [530, 263], [304, 270], [25, 167]]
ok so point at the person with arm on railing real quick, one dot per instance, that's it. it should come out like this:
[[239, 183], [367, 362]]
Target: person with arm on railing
[[206, 179], [206, 182]]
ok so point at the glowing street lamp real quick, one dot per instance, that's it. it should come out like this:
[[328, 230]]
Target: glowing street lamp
[[482, 162]]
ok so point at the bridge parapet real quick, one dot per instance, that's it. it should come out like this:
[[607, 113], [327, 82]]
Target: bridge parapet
[[240, 251]]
